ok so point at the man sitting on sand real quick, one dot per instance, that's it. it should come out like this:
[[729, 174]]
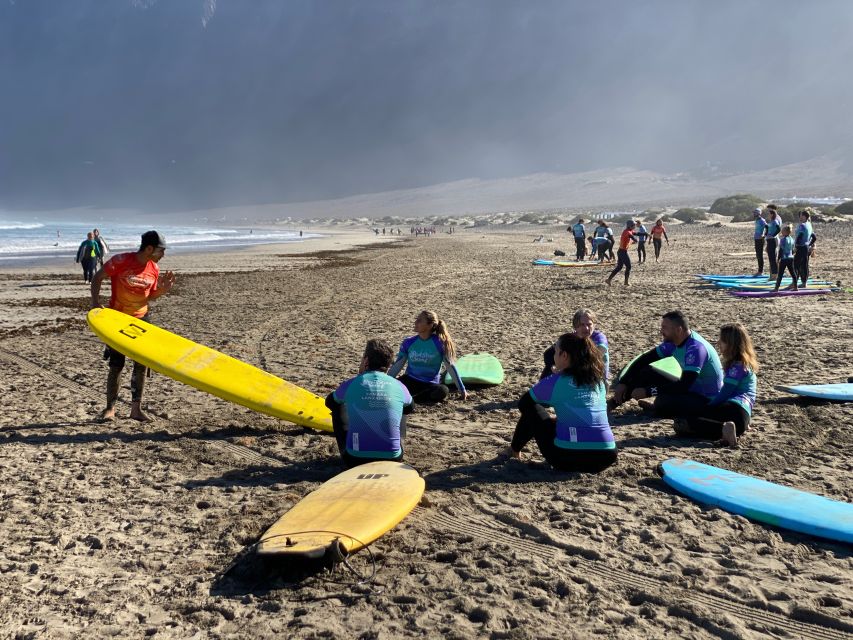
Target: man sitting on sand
[[369, 411], [701, 373], [134, 281]]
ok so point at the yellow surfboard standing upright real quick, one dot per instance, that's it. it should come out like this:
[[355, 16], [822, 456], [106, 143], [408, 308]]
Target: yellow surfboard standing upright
[[346, 513], [208, 370]]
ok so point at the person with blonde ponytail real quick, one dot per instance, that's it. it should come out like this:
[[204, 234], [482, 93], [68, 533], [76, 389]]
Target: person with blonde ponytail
[[426, 353], [728, 414]]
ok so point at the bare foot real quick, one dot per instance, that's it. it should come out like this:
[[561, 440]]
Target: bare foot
[[608, 282], [729, 434], [510, 454], [140, 415], [108, 415], [682, 427]]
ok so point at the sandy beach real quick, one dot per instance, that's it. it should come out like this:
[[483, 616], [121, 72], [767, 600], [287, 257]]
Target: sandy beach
[[141, 530]]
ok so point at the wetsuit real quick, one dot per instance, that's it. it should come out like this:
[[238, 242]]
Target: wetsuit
[[642, 235], [760, 231], [623, 259], [598, 338], [786, 260], [87, 255], [803, 242], [774, 226], [733, 403], [131, 284], [369, 417], [579, 233], [580, 439], [423, 374], [701, 377], [105, 249], [658, 231]]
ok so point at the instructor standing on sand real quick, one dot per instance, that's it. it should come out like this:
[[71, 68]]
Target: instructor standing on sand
[[134, 281]]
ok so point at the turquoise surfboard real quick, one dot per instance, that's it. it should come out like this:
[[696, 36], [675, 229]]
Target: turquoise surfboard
[[766, 502], [842, 392], [667, 367], [478, 368]]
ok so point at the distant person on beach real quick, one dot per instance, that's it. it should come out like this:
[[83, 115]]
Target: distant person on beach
[[774, 226], [658, 232], [583, 325], [804, 242], [426, 352], [579, 438], [786, 258], [135, 280], [87, 255], [579, 234], [642, 236], [701, 373], [728, 414], [603, 240], [105, 249], [622, 257], [758, 235], [369, 411]]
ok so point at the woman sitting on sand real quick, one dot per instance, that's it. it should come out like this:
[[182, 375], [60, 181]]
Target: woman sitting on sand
[[583, 325], [579, 438], [426, 352], [727, 416]]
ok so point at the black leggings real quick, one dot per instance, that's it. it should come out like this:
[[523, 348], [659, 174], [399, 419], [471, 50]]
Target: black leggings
[[348, 459], [801, 263], [89, 267], [641, 252], [537, 424], [772, 244], [623, 261], [580, 251], [667, 405], [657, 243], [759, 253], [786, 263], [425, 392], [710, 425]]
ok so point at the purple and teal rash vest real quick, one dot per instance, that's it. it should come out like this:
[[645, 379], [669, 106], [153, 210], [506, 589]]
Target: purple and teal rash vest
[[600, 340], [696, 354], [774, 227], [739, 386], [425, 359], [760, 227], [803, 234], [581, 412], [786, 248], [373, 404]]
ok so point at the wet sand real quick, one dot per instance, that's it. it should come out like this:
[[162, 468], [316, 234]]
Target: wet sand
[[133, 530]]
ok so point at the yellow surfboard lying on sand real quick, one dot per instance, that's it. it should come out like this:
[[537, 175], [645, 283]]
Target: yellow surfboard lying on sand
[[208, 370], [346, 513]]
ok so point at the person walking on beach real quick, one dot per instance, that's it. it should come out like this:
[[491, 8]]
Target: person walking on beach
[[579, 234], [623, 259], [774, 226], [642, 235], [760, 232], [426, 352], [87, 255], [701, 373], [728, 414], [786, 258], [658, 232], [134, 281], [804, 241], [369, 411], [579, 438], [105, 249]]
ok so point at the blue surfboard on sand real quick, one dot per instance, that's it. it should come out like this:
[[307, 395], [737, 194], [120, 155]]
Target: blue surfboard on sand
[[766, 502], [842, 392]]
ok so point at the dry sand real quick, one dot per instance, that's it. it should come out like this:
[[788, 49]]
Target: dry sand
[[128, 530]]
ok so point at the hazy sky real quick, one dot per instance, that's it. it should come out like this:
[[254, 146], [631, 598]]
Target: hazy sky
[[194, 103]]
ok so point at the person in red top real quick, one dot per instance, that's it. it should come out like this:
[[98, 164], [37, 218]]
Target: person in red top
[[622, 257], [659, 231], [134, 281]]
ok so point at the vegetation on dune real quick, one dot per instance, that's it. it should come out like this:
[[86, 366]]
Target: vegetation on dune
[[690, 215], [845, 208], [739, 206]]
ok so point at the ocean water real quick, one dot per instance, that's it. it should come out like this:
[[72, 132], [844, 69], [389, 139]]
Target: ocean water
[[28, 241]]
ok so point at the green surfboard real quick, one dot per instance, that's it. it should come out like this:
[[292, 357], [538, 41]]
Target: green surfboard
[[667, 367], [478, 368]]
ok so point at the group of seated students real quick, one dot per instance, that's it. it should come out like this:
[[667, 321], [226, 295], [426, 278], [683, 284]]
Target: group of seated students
[[712, 399]]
